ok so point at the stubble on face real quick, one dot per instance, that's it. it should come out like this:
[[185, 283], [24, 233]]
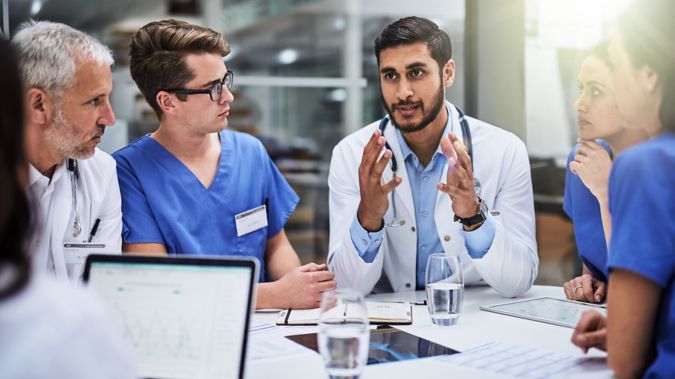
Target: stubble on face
[[428, 117], [62, 136]]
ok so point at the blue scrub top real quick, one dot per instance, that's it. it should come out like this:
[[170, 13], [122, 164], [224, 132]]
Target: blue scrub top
[[583, 209], [642, 203], [163, 202]]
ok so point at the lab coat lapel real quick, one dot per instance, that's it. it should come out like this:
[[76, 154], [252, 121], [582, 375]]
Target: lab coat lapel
[[444, 214], [404, 198], [61, 221]]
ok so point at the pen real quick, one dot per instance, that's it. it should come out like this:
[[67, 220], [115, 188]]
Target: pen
[[94, 229]]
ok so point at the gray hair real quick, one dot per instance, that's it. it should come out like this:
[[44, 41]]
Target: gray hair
[[48, 52]]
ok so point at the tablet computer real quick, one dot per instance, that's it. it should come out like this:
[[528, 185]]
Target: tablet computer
[[387, 344], [554, 311]]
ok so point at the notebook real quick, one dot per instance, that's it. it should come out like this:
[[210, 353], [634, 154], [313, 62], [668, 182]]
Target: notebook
[[379, 313], [182, 317]]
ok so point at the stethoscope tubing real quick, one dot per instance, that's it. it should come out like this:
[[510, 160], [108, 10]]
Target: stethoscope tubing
[[466, 137]]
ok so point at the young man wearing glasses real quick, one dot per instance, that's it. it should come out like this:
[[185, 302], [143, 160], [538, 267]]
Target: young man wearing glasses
[[192, 187]]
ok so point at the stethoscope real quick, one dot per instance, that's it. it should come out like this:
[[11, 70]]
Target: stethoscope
[[74, 175], [466, 137]]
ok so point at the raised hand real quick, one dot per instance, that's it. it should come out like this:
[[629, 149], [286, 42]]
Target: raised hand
[[374, 202], [460, 177], [592, 165]]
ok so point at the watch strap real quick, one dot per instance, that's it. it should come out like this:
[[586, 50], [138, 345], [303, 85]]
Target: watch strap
[[475, 219]]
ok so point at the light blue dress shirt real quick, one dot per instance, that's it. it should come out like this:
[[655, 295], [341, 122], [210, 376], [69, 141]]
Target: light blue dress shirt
[[423, 182]]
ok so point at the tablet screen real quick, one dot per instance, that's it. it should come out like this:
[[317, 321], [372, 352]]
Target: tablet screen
[[387, 344], [546, 309]]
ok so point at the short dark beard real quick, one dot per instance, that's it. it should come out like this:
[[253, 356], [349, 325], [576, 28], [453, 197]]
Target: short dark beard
[[437, 104]]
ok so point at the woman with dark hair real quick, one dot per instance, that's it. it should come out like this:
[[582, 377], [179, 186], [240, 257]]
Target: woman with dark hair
[[602, 135], [49, 329], [14, 208], [639, 332]]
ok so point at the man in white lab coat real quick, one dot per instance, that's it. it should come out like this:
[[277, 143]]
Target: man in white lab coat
[[426, 179], [72, 184]]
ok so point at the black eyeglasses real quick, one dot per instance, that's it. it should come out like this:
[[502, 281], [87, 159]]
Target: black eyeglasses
[[215, 91]]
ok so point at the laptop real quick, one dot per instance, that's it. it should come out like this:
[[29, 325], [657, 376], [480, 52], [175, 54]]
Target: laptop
[[182, 317]]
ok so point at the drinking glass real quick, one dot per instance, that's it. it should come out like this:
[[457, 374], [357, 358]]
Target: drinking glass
[[444, 282], [343, 333]]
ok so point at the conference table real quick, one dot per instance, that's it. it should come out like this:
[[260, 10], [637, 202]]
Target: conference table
[[476, 329]]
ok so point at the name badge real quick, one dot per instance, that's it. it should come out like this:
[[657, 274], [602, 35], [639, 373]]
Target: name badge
[[75, 255], [251, 220]]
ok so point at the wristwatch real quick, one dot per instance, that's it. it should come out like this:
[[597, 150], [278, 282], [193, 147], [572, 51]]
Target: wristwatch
[[479, 217]]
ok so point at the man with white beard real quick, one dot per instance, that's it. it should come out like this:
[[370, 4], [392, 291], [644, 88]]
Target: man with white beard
[[73, 185]]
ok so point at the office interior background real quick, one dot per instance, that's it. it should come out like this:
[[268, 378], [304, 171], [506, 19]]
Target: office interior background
[[306, 76]]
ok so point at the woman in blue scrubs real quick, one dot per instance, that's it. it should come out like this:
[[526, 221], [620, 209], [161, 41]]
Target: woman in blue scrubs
[[639, 332], [602, 135]]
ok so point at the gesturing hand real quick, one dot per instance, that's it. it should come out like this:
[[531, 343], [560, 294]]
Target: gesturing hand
[[460, 177], [374, 202], [592, 165], [591, 331]]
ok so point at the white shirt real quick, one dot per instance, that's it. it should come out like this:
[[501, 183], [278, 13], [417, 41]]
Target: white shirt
[[98, 197], [55, 330], [502, 166]]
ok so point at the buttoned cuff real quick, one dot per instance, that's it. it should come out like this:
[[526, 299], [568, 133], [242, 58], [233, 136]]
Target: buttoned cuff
[[478, 241], [367, 244]]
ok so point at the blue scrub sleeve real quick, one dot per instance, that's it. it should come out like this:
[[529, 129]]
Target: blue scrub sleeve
[[642, 217], [138, 223], [568, 204], [367, 244], [281, 199], [478, 241]]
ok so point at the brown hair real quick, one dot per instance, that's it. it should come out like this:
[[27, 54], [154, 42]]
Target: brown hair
[[647, 29], [157, 52]]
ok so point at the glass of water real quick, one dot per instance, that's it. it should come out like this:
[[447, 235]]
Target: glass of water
[[343, 333], [444, 282]]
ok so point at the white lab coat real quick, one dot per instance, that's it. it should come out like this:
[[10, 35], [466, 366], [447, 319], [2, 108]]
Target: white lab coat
[[502, 166], [98, 196]]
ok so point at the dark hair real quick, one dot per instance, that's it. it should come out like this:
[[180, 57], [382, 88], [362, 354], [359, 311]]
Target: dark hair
[[648, 34], [157, 52], [411, 30], [14, 206]]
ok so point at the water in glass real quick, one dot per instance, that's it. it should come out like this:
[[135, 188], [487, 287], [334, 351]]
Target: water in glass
[[444, 282], [444, 301], [344, 349], [343, 333]]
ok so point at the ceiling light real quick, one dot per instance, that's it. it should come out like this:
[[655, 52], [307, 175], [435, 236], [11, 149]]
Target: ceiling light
[[287, 56]]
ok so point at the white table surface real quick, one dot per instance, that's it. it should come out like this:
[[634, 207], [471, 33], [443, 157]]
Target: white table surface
[[475, 328]]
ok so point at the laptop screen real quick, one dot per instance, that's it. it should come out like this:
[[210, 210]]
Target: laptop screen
[[181, 317]]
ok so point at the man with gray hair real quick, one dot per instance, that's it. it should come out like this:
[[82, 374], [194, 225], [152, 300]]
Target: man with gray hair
[[67, 78]]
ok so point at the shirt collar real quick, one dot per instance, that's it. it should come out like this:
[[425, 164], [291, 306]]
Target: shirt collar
[[34, 175], [405, 149]]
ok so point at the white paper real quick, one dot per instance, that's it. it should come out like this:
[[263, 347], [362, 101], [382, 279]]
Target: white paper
[[528, 362], [262, 346]]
